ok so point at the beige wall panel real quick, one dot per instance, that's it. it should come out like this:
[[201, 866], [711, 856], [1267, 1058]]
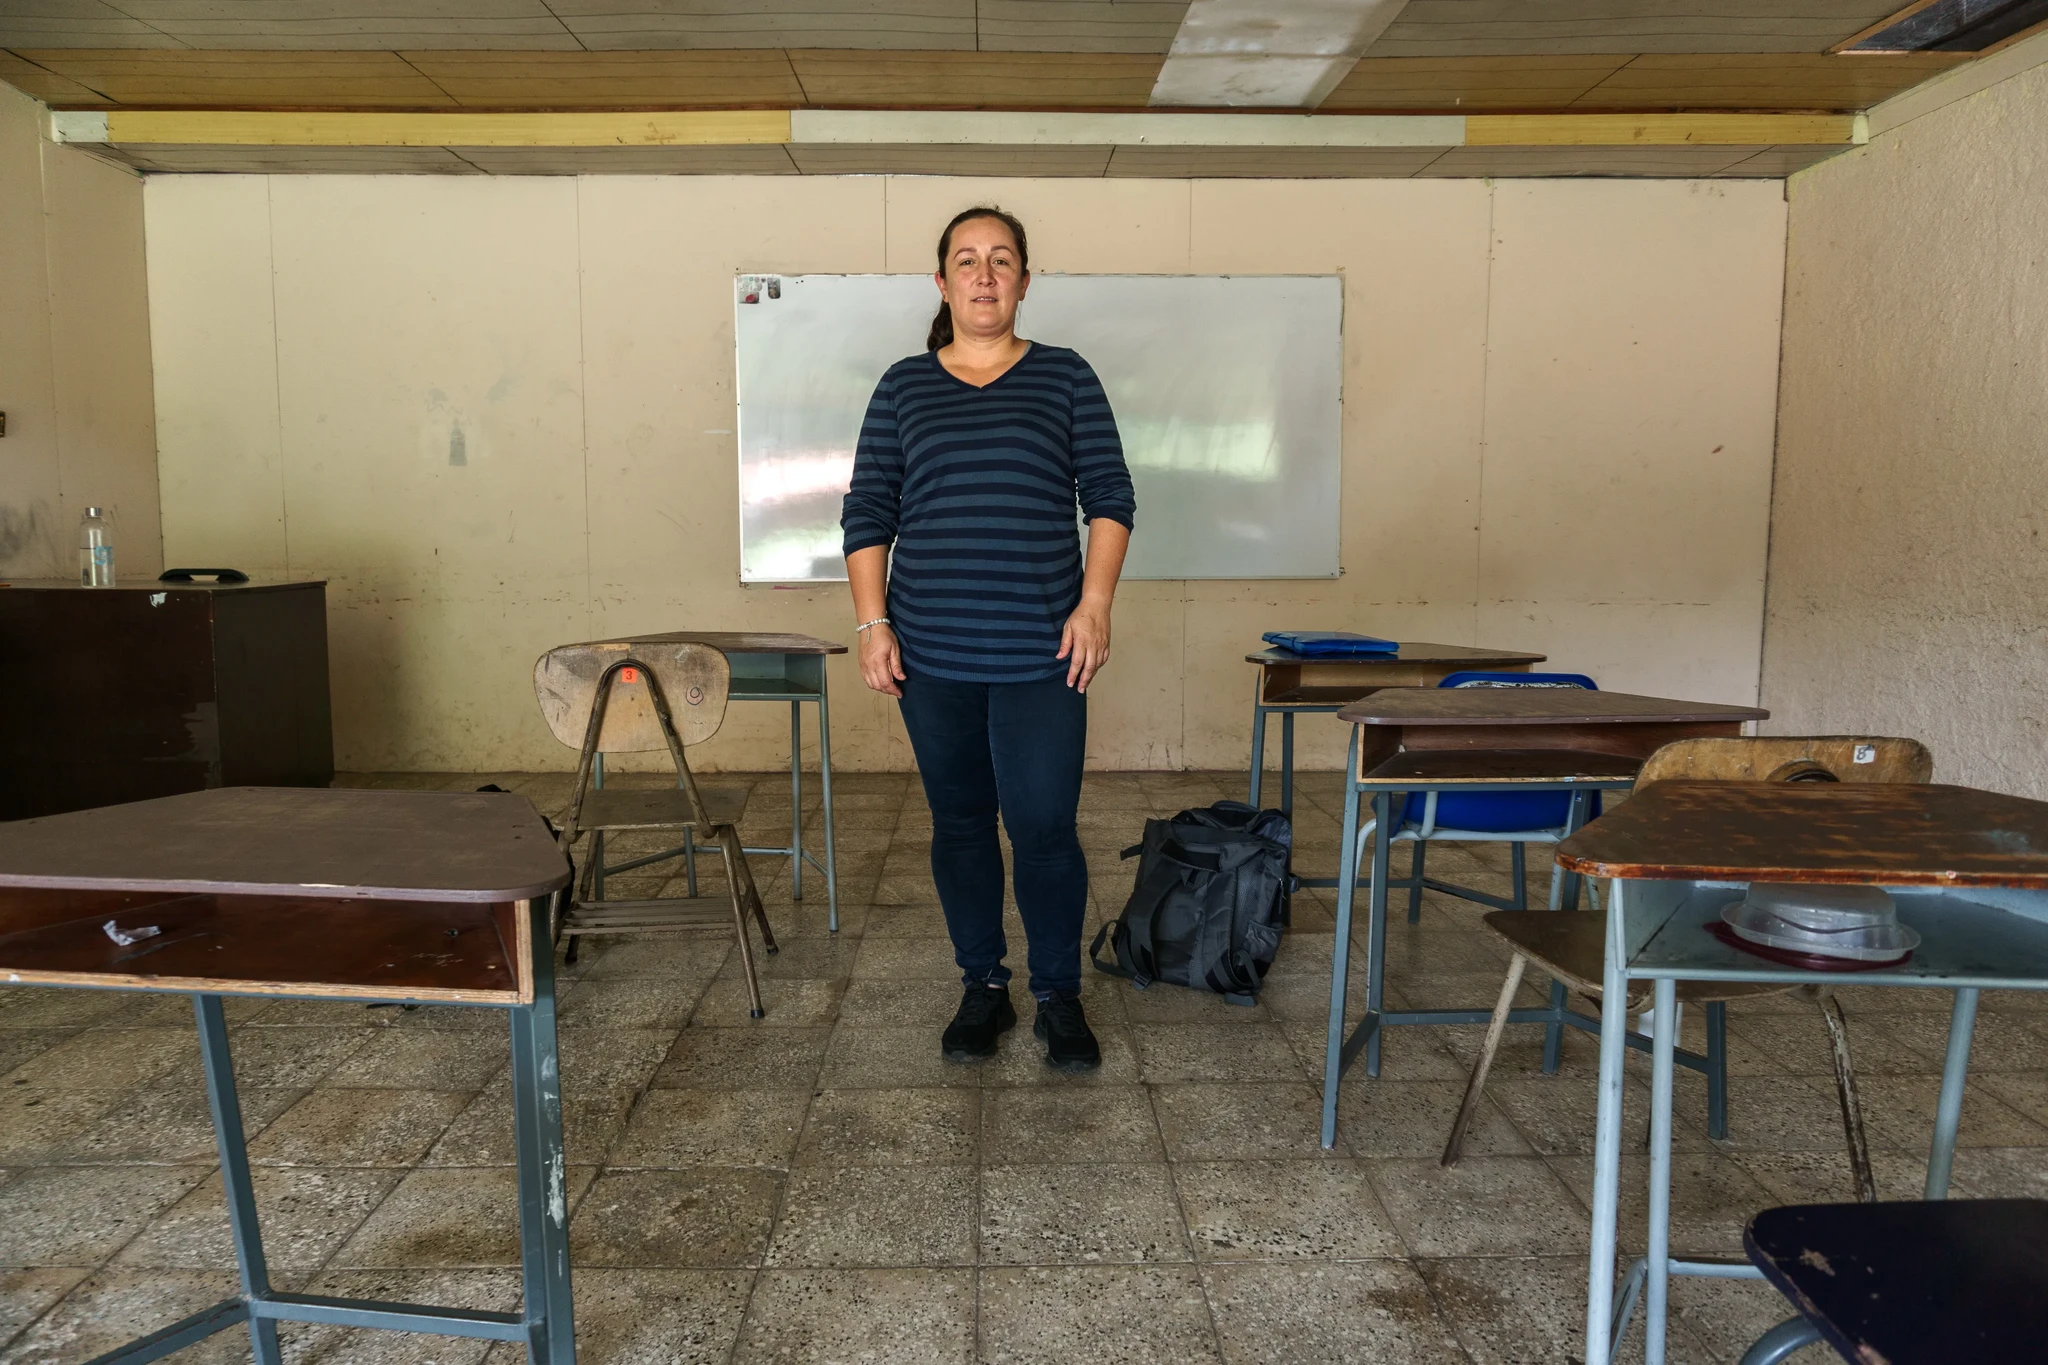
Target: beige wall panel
[[99, 340], [1413, 259], [34, 541], [219, 458], [430, 394], [1907, 571], [1631, 382], [659, 256], [1076, 226]]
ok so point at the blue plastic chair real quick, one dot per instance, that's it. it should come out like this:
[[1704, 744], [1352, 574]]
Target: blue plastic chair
[[1487, 816]]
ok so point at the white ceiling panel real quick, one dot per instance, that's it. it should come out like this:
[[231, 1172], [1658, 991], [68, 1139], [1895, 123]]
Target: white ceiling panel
[[74, 23], [624, 25], [926, 159], [1268, 53], [1079, 25], [1450, 28]]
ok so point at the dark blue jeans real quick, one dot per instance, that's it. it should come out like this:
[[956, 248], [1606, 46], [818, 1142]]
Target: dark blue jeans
[[1013, 748]]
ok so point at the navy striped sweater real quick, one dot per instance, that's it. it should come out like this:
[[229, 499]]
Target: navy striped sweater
[[976, 489]]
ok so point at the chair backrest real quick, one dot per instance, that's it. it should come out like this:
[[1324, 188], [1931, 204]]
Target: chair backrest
[[1780, 758], [1482, 679], [695, 679]]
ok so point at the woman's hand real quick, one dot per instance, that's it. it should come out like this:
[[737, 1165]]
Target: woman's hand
[[1085, 643], [881, 661]]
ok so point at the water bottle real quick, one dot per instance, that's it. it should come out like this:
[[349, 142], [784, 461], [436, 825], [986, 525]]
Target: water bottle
[[95, 550]]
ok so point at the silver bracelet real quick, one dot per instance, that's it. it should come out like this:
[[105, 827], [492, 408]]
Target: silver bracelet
[[866, 626]]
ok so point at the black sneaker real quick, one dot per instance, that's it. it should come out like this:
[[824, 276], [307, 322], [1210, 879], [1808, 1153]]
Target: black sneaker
[[1069, 1043], [985, 1012]]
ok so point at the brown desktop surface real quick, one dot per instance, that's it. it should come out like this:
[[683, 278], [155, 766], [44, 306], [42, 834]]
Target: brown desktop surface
[[1439, 767], [1416, 652], [1434, 706], [1883, 833], [487, 847]]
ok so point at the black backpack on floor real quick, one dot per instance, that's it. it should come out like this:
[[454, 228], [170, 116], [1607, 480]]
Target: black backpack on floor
[[1209, 903]]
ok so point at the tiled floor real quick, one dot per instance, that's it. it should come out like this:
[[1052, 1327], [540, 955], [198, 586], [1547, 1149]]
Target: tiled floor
[[820, 1186]]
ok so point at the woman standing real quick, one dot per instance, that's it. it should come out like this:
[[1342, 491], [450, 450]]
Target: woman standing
[[970, 462]]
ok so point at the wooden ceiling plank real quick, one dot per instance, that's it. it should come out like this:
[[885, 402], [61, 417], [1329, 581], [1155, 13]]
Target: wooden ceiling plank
[[1449, 28], [266, 80], [1078, 25], [976, 80], [1767, 81], [1460, 83], [76, 23], [866, 25], [1776, 163], [47, 85], [295, 160], [597, 80], [1656, 130], [758, 160], [1652, 162], [931, 159], [560, 129], [354, 25]]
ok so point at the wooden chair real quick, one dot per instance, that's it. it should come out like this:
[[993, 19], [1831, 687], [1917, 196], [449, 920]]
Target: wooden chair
[[610, 697], [1571, 947]]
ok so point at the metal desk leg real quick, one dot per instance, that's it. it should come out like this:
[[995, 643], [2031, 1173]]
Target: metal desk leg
[[796, 801], [1657, 1300], [1564, 894], [543, 1189], [1258, 744], [234, 1164], [1607, 1148], [825, 784], [1287, 764], [1340, 954], [1717, 1070], [1948, 1110], [1376, 926]]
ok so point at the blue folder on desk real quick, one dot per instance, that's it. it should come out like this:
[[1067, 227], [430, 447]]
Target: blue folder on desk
[[1317, 644]]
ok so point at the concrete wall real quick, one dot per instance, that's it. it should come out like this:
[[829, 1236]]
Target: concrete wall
[[74, 355], [1909, 548], [1559, 403]]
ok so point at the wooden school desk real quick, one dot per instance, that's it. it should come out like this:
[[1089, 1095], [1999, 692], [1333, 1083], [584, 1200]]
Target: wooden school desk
[[770, 667], [429, 897], [1479, 739], [1968, 870], [1293, 684]]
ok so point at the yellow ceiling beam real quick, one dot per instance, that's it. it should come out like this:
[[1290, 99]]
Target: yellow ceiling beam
[[1658, 130], [283, 128]]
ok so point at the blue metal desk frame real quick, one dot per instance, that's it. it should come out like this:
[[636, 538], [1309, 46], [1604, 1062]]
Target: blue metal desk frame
[[546, 1323], [1387, 797], [796, 677], [1656, 934]]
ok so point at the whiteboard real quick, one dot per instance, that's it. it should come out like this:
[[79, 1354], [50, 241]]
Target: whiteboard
[[1226, 388]]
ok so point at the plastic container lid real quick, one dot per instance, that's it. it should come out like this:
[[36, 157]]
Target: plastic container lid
[[1859, 923]]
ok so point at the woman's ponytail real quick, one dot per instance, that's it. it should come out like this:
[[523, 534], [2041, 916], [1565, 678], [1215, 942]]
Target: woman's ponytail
[[941, 333]]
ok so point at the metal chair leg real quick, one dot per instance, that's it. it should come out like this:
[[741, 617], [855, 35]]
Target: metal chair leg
[[1455, 1147], [728, 846], [1845, 1092], [1415, 873], [1518, 859], [1781, 1342], [1717, 1070]]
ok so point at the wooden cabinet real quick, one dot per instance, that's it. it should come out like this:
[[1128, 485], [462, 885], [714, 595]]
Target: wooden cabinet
[[121, 694]]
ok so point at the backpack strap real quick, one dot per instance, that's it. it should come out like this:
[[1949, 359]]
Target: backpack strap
[[1114, 929]]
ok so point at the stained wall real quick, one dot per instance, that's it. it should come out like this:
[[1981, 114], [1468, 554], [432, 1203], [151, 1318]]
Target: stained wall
[[1558, 409]]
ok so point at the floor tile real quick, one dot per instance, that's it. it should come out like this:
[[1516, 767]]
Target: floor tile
[[1021, 1124], [1132, 1315], [672, 1129], [81, 1215], [744, 1058], [910, 959], [903, 1317], [1413, 1119], [38, 1124], [109, 1059], [1281, 1210], [887, 1058], [1485, 1206], [707, 1217], [460, 1217], [482, 1134], [172, 1122], [304, 1214], [422, 1059], [668, 956], [801, 1003], [119, 1304], [26, 1294], [1327, 1314], [1712, 1198], [358, 1128], [1239, 1122], [656, 1317], [299, 1058], [1898, 1112], [1021, 1059], [926, 1126], [18, 1045], [632, 1002], [887, 1003], [875, 1216], [495, 1291], [1516, 1311], [1100, 1213], [1211, 1052], [597, 1061]]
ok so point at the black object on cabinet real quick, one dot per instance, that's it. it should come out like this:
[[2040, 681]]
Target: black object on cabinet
[[126, 693]]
